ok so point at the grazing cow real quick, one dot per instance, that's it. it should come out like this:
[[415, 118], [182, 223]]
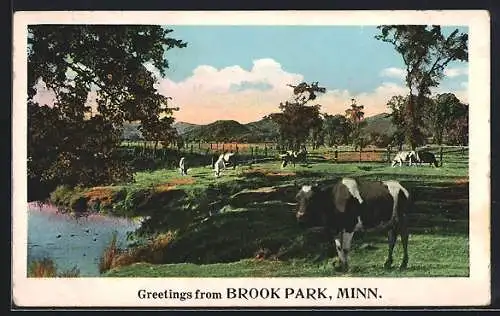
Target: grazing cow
[[183, 166], [293, 157], [350, 205], [404, 156], [219, 165], [426, 157], [229, 159]]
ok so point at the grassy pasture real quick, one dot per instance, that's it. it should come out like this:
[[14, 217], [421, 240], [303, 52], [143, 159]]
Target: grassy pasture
[[240, 225]]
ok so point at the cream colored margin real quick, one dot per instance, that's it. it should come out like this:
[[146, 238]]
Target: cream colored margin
[[474, 290]]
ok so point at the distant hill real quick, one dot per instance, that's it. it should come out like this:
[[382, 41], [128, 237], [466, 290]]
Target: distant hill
[[222, 130], [265, 129], [380, 124], [184, 127], [262, 130]]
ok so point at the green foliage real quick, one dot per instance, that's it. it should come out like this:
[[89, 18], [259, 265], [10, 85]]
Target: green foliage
[[62, 195], [425, 52], [355, 117], [296, 120], [443, 113], [337, 129], [70, 143]]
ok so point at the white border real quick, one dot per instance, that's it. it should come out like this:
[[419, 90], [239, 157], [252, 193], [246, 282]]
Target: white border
[[474, 290]]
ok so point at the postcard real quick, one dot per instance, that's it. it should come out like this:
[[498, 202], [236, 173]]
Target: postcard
[[251, 159]]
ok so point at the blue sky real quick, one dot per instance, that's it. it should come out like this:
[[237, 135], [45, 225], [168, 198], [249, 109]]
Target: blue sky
[[339, 57]]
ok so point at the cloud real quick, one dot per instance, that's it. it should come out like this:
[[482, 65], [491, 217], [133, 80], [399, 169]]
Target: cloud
[[393, 72], [246, 95], [455, 72], [374, 102]]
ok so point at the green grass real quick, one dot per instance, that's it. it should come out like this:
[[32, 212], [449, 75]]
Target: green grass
[[256, 220], [450, 259], [221, 225]]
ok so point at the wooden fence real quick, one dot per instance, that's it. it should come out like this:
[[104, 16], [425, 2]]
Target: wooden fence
[[270, 151]]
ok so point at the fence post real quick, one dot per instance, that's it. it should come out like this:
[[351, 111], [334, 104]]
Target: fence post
[[388, 153], [191, 151], [441, 156], [265, 150], [336, 154], [236, 148], [360, 150]]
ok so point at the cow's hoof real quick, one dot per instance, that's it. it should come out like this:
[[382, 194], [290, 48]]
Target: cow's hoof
[[340, 267], [403, 266]]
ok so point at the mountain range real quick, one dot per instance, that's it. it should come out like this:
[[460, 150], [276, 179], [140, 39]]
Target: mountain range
[[262, 130]]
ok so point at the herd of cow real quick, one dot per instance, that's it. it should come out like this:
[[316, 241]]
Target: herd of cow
[[349, 205]]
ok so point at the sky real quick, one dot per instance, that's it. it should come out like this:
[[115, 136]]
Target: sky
[[242, 72]]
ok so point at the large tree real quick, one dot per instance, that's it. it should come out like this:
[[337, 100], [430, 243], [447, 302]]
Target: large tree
[[441, 113], [355, 115], [296, 119], [68, 143], [425, 52], [337, 129]]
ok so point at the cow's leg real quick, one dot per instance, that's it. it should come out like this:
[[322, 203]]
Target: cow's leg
[[391, 239], [343, 246], [403, 230]]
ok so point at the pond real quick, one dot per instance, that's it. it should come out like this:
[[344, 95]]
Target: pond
[[71, 241]]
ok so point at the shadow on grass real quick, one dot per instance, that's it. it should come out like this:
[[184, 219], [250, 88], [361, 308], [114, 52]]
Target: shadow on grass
[[250, 217]]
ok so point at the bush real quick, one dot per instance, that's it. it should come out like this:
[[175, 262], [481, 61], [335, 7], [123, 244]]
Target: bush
[[61, 196], [46, 268], [109, 254], [152, 252]]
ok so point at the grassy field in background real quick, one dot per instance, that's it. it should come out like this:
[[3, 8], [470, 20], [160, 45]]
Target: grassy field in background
[[240, 225]]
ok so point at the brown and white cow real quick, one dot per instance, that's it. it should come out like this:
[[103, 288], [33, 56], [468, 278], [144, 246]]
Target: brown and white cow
[[350, 205]]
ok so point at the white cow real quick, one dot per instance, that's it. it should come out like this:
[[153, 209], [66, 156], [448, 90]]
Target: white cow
[[183, 166], [404, 156], [219, 165]]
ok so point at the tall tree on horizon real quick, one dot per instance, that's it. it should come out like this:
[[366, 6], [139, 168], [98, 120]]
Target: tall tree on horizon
[[425, 52], [355, 116], [296, 119]]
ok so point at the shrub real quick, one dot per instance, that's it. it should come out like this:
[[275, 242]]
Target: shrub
[[46, 268], [152, 252], [61, 196], [109, 254]]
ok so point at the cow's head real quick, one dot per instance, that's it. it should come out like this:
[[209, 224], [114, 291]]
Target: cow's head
[[308, 206]]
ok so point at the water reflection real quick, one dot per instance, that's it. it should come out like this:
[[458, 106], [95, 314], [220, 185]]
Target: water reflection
[[71, 241]]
